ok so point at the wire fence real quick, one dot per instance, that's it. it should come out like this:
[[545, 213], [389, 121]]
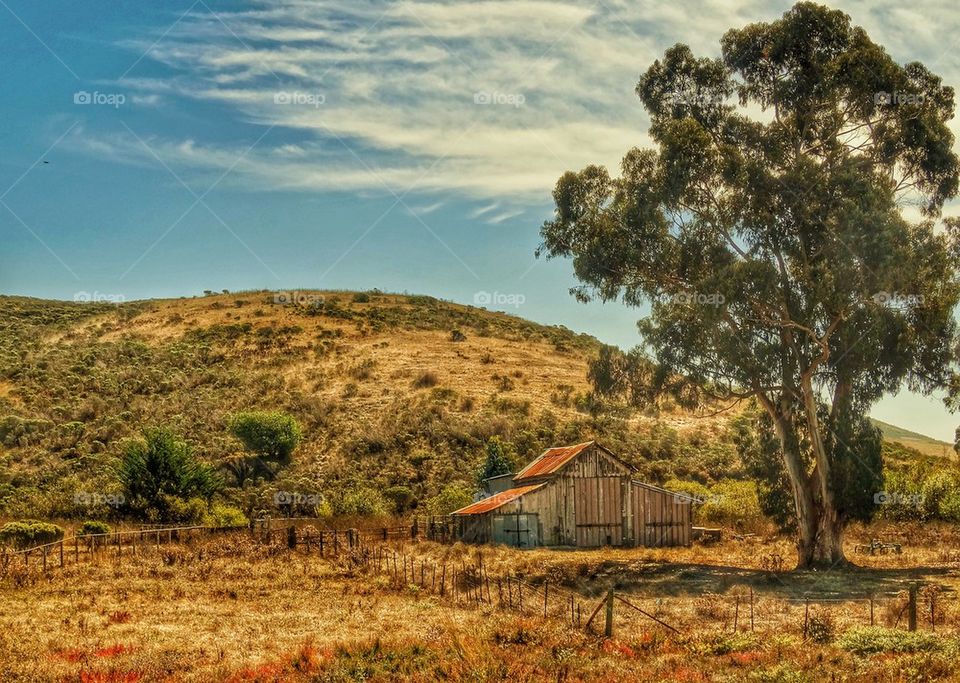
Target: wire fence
[[396, 553]]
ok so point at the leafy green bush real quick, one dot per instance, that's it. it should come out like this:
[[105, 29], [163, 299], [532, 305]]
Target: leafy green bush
[[360, 501], [872, 639], [270, 436], [451, 497], [29, 533], [401, 497], [222, 516], [162, 481], [93, 527], [728, 503]]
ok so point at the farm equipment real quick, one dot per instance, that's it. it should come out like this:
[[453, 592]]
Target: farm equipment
[[876, 546]]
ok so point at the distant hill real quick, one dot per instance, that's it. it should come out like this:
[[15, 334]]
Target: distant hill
[[391, 390], [924, 444]]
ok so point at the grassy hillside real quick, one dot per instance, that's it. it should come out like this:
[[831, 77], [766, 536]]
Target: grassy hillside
[[390, 389], [918, 442]]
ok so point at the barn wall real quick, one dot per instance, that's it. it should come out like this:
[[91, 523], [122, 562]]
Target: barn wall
[[593, 502], [548, 504], [661, 518], [475, 528]]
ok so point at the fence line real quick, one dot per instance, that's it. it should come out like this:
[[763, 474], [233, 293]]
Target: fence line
[[463, 583]]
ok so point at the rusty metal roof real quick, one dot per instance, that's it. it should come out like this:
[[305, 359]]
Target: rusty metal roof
[[495, 501], [550, 461]]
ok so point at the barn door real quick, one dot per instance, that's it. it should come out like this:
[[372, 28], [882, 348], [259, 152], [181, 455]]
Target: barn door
[[517, 530], [598, 510]]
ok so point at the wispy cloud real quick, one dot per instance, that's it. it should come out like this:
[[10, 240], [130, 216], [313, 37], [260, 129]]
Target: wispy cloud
[[544, 86]]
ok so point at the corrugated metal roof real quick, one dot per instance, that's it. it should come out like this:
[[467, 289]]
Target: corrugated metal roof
[[550, 461], [495, 501]]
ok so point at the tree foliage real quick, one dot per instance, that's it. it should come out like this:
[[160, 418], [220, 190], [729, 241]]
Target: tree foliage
[[160, 476], [500, 458], [270, 438], [773, 250]]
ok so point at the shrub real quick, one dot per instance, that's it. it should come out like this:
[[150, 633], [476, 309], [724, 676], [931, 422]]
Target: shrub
[[159, 476], [426, 379], [457, 336], [872, 639], [361, 501], [401, 497], [92, 528], [29, 533], [221, 515], [821, 627], [271, 436], [451, 497], [733, 503]]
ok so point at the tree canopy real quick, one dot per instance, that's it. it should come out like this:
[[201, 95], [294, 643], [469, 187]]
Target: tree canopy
[[160, 474], [768, 232]]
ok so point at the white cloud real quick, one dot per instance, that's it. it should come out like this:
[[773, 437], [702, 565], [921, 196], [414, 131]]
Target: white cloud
[[399, 80]]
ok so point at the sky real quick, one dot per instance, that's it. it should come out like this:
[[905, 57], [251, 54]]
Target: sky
[[164, 149]]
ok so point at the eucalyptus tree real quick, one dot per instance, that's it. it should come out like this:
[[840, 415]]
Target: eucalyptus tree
[[784, 230]]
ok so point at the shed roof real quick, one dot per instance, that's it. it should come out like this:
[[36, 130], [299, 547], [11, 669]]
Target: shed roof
[[551, 460], [495, 501]]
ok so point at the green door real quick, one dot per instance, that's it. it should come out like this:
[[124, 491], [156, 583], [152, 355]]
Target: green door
[[517, 530]]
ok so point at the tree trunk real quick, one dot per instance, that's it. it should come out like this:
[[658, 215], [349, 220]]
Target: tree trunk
[[819, 528], [825, 550]]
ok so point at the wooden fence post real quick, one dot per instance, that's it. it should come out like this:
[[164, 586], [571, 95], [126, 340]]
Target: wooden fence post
[[912, 608], [933, 612], [61, 552], [608, 625], [292, 537]]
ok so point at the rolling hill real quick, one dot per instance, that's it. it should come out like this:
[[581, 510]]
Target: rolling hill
[[919, 442], [391, 390]]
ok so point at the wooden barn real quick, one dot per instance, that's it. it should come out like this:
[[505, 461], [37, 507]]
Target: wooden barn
[[581, 495]]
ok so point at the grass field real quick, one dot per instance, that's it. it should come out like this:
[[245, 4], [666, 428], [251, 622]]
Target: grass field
[[230, 609]]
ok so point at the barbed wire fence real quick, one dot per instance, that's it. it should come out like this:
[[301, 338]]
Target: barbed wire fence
[[393, 552]]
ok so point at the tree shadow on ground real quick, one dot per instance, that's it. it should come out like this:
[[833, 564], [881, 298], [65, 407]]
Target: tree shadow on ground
[[678, 579]]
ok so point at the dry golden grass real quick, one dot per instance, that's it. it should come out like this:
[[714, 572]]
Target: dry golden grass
[[475, 368], [231, 610], [395, 356]]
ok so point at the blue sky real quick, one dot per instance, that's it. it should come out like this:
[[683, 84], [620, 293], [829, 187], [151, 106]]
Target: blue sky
[[408, 145]]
